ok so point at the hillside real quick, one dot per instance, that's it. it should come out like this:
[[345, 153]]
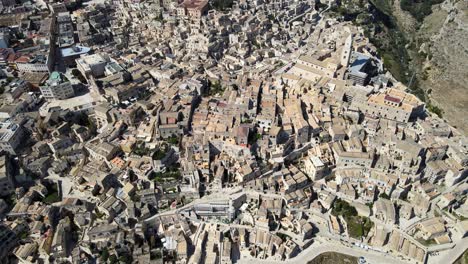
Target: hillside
[[444, 72], [424, 44], [436, 31]]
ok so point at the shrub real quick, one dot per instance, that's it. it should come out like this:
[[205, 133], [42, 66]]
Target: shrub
[[435, 109], [358, 226], [419, 9], [343, 208], [159, 154], [174, 140], [51, 198]]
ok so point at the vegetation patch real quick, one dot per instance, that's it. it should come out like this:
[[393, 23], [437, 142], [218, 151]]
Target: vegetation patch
[[333, 258], [53, 195], [427, 242], [51, 198], [222, 5], [434, 109], [174, 140], [358, 226], [380, 26], [384, 196], [214, 88], [419, 9], [171, 173], [463, 259], [160, 152], [141, 149]]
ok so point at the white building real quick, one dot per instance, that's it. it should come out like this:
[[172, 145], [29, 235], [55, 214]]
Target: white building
[[57, 88], [10, 137], [94, 65], [35, 63]]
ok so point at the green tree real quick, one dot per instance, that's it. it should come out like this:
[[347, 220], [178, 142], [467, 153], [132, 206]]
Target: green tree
[[113, 259], [434, 109], [384, 196], [104, 255], [419, 9], [174, 140]]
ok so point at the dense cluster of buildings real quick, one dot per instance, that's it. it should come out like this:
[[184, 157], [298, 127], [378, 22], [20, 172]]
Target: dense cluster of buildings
[[180, 131]]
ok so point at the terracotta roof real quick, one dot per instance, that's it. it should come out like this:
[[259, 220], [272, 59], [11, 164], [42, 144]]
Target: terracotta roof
[[23, 59]]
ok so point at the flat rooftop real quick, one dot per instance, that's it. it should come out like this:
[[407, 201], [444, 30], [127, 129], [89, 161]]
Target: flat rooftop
[[74, 51]]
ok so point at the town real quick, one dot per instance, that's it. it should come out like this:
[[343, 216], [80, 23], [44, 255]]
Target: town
[[193, 131]]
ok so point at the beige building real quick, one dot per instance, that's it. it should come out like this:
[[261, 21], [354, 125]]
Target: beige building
[[348, 158], [384, 210], [315, 168], [103, 151], [327, 66], [431, 228], [293, 114], [391, 104]]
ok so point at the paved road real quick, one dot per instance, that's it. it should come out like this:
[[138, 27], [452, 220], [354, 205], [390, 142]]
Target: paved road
[[318, 248], [449, 256], [326, 243]]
